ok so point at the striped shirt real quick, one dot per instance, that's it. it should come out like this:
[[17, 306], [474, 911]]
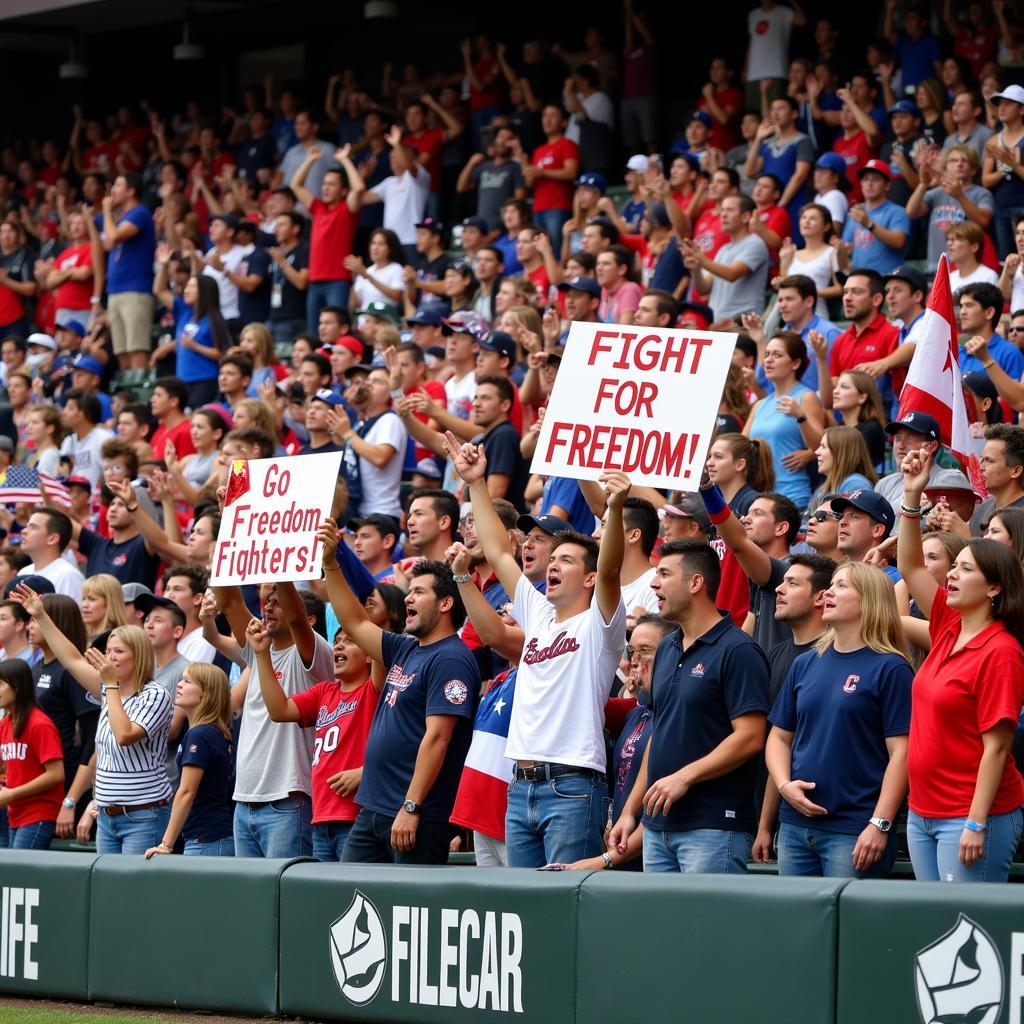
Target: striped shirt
[[137, 774]]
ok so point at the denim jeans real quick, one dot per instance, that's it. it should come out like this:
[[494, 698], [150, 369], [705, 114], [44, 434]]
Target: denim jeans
[[369, 842], [217, 848], [36, 836], [329, 839], [552, 222], [280, 828], [131, 832], [700, 851], [325, 293], [935, 848], [285, 330], [555, 821], [5, 832], [814, 853]]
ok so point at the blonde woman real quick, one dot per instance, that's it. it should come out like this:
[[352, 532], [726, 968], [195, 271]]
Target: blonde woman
[[837, 750], [257, 342], [44, 431], [131, 787], [844, 462], [102, 604], [202, 810], [253, 412]]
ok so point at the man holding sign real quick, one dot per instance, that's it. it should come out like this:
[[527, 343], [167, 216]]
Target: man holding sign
[[573, 641]]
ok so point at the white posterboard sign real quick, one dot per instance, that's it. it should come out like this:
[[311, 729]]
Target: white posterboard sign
[[272, 511], [640, 400]]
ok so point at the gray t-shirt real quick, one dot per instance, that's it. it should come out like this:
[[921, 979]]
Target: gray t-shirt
[[495, 183], [767, 630], [730, 298], [294, 159], [984, 512], [976, 140], [168, 677], [275, 758], [944, 210]]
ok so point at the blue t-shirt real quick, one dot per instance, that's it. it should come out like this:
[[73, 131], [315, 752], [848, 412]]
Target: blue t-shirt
[[566, 494], [695, 694], [783, 435], [868, 251], [810, 377], [206, 747], [254, 306], [191, 366], [1006, 355], [507, 246], [669, 270], [439, 679], [130, 263], [917, 57], [841, 708], [129, 560]]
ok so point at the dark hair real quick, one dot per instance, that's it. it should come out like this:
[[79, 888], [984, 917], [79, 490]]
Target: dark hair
[[789, 100], [665, 303], [175, 388], [254, 436], [591, 549], [396, 254], [340, 172], [414, 350], [198, 578], [988, 296], [800, 283], [18, 341], [733, 175], [785, 511], [133, 182], [795, 348], [605, 228], [556, 106], [623, 257], [323, 364], [747, 205], [998, 564], [774, 178], [1013, 522], [876, 283], [587, 72], [587, 260], [394, 602], [214, 418], [822, 569], [501, 384], [1012, 437], [338, 311], [315, 610], [699, 557], [18, 610], [57, 522], [444, 586], [443, 502], [296, 218], [87, 402], [746, 344], [67, 617], [640, 514], [239, 359], [18, 676], [506, 512], [208, 305], [15, 557]]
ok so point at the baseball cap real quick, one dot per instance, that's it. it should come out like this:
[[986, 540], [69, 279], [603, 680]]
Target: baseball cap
[[917, 281], [463, 267], [229, 218], [477, 222], [871, 503], [831, 162], [40, 584], [428, 315], [327, 396], [555, 355], [428, 467], [593, 180], [145, 603], [357, 368], [432, 224], [703, 116], [919, 422], [878, 166], [581, 284], [88, 363], [385, 524], [466, 322], [78, 481], [69, 323], [549, 524], [43, 340], [6, 444], [132, 591], [689, 506], [499, 341], [381, 310], [1013, 93], [658, 214], [354, 345], [638, 163], [905, 107], [701, 310]]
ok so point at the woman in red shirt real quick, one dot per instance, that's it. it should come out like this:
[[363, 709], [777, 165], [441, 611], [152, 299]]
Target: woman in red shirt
[[965, 791], [30, 747]]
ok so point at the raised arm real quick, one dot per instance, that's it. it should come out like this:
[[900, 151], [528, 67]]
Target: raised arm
[[491, 628], [280, 706], [753, 561], [613, 545], [909, 550], [298, 182], [351, 614], [298, 622]]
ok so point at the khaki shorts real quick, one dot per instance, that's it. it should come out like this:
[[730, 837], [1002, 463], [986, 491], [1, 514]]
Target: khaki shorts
[[130, 315]]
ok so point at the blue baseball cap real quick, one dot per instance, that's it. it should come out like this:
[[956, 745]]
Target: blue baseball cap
[[703, 116], [905, 107], [327, 396], [869, 502], [499, 341], [88, 363], [477, 222], [581, 284], [69, 323], [549, 524], [593, 180], [432, 224], [428, 468], [831, 162], [918, 422], [429, 316]]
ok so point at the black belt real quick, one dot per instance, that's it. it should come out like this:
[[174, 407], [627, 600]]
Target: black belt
[[544, 772]]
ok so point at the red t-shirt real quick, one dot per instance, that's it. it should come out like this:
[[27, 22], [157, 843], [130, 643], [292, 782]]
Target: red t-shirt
[[100, 158], [74, 294], [25, 757], [430, 142], [734, 588], [977, 46], [725, 136], [436, 390], [775, 218], [342, 722], [334, 227], [481, 99], [856, 151], [956, 697], [876, 341], [181, 436], [540, 278], [547, 193], [708, 235]]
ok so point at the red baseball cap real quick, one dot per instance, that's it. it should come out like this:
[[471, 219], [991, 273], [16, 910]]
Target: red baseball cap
[[354, 345], [879, 166]]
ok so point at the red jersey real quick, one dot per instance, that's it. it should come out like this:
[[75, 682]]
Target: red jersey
[[547, 193], [540, 278], [429, 142], [775, 218], [334, 227], [725, 136], [25, 757], [180, 436], [436, 390], [956, 697], [342, 722], [481, 99], [708, 235], [734, 589], [100, 158], [879, 339], [856, 151], [74, 294]]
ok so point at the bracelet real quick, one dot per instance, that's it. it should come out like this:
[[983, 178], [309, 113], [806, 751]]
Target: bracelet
[[464, 578], [785, 784], [911, 512], [111, 686], [802, 418], [991, 362], [607, 858], [132, 508], [974, 826], [165, 847]]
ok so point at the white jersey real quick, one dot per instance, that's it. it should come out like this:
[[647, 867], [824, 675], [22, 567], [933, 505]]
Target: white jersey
[[639, 593]]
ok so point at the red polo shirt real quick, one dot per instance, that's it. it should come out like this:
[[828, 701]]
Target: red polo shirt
[[957, 697], [879, 339]]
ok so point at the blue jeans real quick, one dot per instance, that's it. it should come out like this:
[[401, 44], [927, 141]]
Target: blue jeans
[[552, 222], [555, 821], [935, 848], [131, 832], [218, 848], [5, 832], [701, 851], [285, 330], [1004, 218], [36, 836], [815, 853], [280, 828], [329, 839], [369, 842], [325, 293]]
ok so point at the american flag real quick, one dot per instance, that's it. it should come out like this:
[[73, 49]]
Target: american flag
[[21, 484]]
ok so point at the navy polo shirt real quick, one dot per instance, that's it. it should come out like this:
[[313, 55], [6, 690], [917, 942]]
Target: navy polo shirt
[[128, 560], [695, 694]]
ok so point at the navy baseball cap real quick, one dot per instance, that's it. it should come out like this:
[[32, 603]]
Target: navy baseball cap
[[477, 222], [581, 284], [593, 180], [88, 363], [905, 107], [428, 468], [917, 281], [918, 422], [499, 341], [871, 503], [428, 316], [703, 116], [327, 396], [549, 524], [432, 224], [71, 324], [40, 584]]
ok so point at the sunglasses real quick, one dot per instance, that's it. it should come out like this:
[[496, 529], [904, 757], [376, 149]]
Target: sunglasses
[[821, 515], [1014, 330]]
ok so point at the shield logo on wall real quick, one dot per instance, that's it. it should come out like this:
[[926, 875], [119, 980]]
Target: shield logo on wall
[[359, 951]]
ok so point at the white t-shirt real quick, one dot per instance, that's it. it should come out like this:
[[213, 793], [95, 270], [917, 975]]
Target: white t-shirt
[[231, 260], [66, 579], [1017, 294], [769, 43], [460, 392], [565, 677], [404, 198], [85, 453], [986, 275], [639, 592], [835, 202], [367, 292], [598, 108], [196, 648], [381, 486]]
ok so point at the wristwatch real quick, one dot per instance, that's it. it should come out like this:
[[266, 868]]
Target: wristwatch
[[882, 824], [411, 807], [870, 226], [68, 803]]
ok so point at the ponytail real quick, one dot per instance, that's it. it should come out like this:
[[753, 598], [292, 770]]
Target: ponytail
[[760, 473]]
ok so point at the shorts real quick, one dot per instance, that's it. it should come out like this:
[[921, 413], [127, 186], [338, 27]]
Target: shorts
[[130, 315]]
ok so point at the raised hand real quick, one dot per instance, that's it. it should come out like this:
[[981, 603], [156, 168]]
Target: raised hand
[[616, 487], [103, 665], [328, 534], [28, 599], [916, 469], [457, 557], [469, 459], [257, 636]]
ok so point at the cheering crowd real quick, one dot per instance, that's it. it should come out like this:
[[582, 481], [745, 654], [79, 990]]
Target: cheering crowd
[[816, 657]]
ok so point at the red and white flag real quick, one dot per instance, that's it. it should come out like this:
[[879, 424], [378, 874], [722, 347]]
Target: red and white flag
[[934, 384]]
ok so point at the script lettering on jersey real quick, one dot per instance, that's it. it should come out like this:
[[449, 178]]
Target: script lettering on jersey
[[398, 679], [562, 644], [325, 717]]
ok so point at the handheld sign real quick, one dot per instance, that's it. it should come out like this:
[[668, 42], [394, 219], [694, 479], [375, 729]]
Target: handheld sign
[[272, 511], [640, 400]]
